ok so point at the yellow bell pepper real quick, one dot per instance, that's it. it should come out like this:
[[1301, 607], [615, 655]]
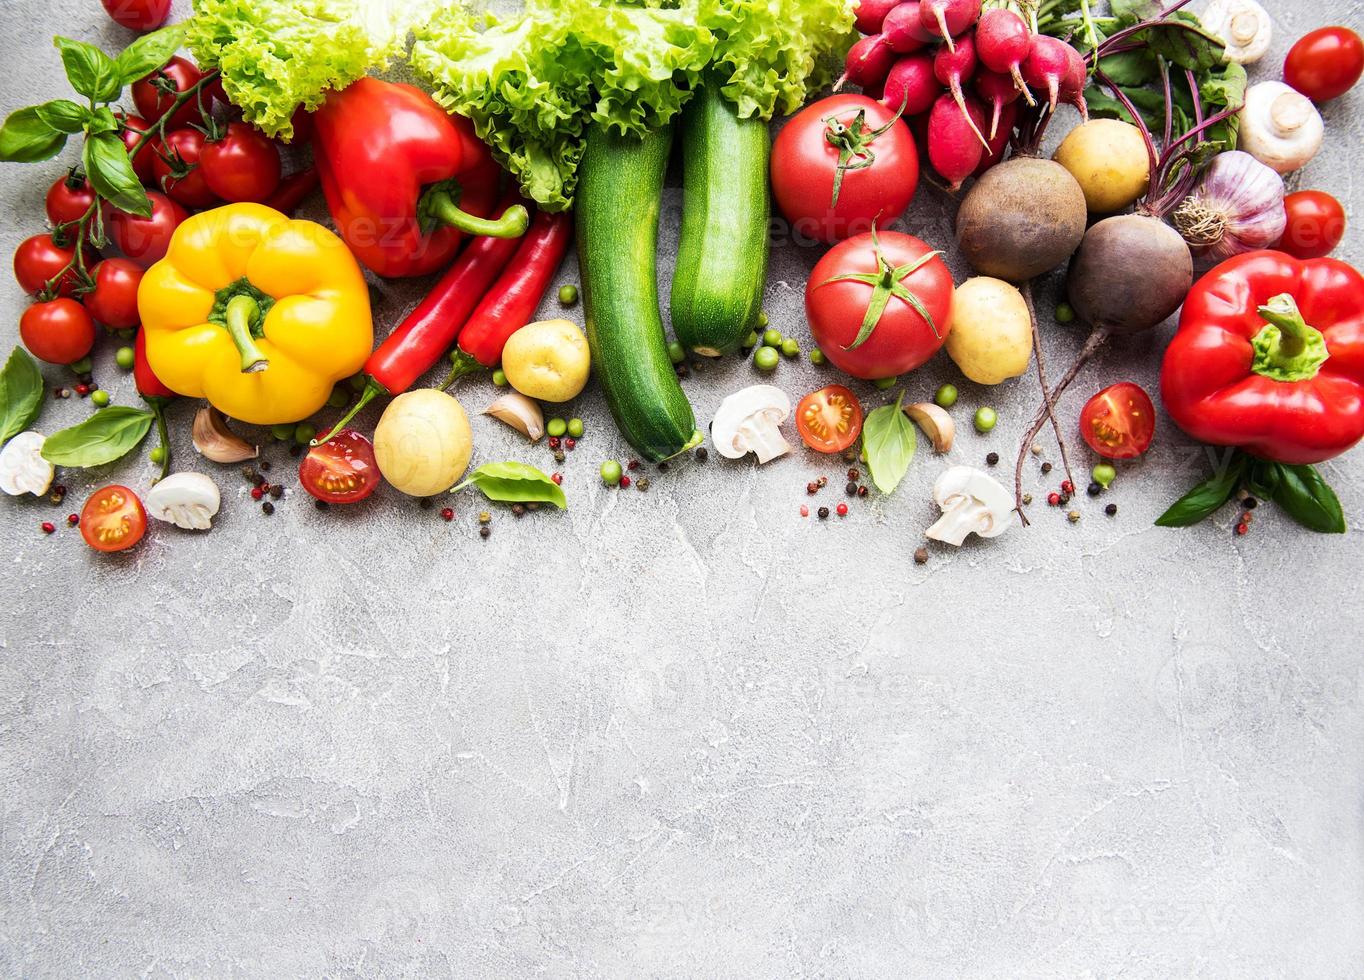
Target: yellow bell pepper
[[256, 312]]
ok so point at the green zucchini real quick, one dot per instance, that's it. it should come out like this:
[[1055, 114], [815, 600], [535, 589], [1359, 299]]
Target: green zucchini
[[620, 190], [717, 289]]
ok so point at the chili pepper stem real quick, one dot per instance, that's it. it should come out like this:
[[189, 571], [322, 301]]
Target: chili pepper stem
[[372, 390], [158, 407], [240, 312], [464, 365], [513, 223]]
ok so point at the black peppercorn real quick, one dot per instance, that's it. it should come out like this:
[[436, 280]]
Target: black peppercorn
[[824, 513], [485, 531], [519, 510], [992, 459], [702, 454], [277, 491], [250, 474], [268, 507], [850, 489], [1094, 489], [1250, 503], [921, 556], [1046, 467], [265, 466], [1111, 509]]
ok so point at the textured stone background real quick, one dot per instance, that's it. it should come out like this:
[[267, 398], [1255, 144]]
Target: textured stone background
[[681, 732]]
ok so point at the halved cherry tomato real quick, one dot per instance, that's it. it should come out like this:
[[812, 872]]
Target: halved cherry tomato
[[113, 519], [1316, 224], [1325, 63], [153, 103], [1119, 422], [829, 420], [342, 470]]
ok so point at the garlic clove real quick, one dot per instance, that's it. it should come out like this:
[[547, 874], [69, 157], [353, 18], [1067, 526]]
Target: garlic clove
[[935, 422], [187, 500], [22, 466], [519, 412], [214, 441]]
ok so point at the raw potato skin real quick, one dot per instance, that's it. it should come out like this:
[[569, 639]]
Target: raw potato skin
[[423, 442], [1101, 285], [1021, 219], [1108, 159], [991, 335], [548, 360]]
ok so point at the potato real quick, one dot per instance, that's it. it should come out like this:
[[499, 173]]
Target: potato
[[1108, 158], [423, 442], [991, 334], [548, 360]]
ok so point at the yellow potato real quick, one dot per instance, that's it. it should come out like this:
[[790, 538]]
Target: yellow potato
[[548, 360], [991, 335], [1108, 159], [423, 442]]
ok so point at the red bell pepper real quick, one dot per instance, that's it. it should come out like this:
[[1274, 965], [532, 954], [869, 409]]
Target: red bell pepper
[[405, 180], [155, 394]]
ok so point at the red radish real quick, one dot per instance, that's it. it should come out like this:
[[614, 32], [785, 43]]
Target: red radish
[[946, 19], [903, 30], [999, 142], [1048, 64], [954, 67], [953, 148], [871, 14], [868, 63], [911, 86], [1073, 85], [997, 91], [1003, 43]]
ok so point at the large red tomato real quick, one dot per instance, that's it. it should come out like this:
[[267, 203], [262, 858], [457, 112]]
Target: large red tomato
[[889, 269], [851, 141]]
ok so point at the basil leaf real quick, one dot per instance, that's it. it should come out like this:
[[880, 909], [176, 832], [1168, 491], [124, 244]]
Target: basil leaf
[[1207, 498], [21, 394], [889, 438], [111, 174], [1308, 499], [103, 120], [148, 53], [515, 483], [63, 115], [27, 138], [109, 434], [90, 70]]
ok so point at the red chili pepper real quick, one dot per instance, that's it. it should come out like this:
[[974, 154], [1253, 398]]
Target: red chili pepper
[[293, 191], [417, 343], [516, 297], [155, 394], [405, 180]]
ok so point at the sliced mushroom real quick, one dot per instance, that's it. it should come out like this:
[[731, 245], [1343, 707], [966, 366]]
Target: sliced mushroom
[[22, 467], [187, 500], [972, 503], [521, 413], [749, 421], [1243, 24], [215, 441], [935, 422], [1280, 127]]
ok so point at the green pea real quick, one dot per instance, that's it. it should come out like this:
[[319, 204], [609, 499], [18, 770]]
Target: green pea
[[568, 295], [99, 397], [499, 377], [817, 357], [883, 384], [125, 358], [790, 347], [158, 455], [1104, 474], [751, 340], [946, 396], [1065, 313], [762, 318], [556, 427], [676, 352], [283, 432], [610, 473], [304, 433], [771, 338], [985, 419], [338, 399], [575, 428], [766, 359]]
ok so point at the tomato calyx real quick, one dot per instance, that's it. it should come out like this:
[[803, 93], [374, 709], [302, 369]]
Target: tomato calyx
[[854, 143], [887, 282]]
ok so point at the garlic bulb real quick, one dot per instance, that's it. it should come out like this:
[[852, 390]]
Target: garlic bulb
[[1243, 24], [1236, 207]]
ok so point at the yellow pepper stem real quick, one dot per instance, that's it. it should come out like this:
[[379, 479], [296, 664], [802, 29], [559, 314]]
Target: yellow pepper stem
[[241, 312]]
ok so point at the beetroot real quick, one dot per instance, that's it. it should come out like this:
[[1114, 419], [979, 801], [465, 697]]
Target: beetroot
[[947, 19], [903, 30], [1003, 43], [911, 85]]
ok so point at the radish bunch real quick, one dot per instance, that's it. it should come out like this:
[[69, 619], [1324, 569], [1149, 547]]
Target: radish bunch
[[958, 75]]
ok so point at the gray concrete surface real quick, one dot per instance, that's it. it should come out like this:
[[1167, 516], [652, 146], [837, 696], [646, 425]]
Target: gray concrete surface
[[682, 732]]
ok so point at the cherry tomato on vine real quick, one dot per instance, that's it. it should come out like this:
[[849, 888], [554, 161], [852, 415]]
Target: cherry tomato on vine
[[178, 171], [342, 470], [113, 302], [152, 103], [38, 260], [131, 130], [1119, 422], [113, 519], [145, 240], [58, 331], [69, 199], [242, 166], [1325, 63], [1316, 224], [829, 420]]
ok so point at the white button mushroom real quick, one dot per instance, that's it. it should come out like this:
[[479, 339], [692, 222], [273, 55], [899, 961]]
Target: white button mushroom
[[22, 467], [749, 421], [1280, 127], [972, 503], [1243, 24], [187, 500]]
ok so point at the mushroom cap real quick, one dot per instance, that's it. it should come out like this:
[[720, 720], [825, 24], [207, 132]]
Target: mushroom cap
[[1244, 25], [741, 406], [187, 500], [1280, 126], [972, 503]]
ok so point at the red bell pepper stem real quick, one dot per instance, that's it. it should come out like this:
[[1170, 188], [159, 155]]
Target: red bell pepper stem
[[512, 224], [417, 343], [294, 190], [513, 301]]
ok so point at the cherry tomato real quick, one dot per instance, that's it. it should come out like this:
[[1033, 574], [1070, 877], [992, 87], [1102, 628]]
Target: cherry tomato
[[1316, 224], [805, 164], [900, 339], [178, 152], [341, 470], [145, 240], [58, 331], [132, 128], [1325, 63], [138, 15], [68, 199], [829, 420], [1119, 422], [39, 260], [114, 299], [113, 519], [152, 103], [243, 166]]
